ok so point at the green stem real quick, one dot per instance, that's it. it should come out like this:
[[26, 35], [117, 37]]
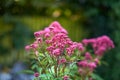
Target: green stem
[[52, 73], [56, 68]]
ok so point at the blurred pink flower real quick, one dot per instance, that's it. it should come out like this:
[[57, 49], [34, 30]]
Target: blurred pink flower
[[83, 63], [36, 74], [56, 52], [27, 48], [88, 56], [61, 61], [66, 77], [92, 65]]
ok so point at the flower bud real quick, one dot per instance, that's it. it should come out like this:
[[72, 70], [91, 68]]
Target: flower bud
[[36, 74]]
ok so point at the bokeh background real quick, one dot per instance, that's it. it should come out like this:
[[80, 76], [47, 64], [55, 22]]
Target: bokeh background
[[19, 19]]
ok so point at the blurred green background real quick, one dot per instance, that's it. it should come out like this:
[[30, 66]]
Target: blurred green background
[[82, 19]]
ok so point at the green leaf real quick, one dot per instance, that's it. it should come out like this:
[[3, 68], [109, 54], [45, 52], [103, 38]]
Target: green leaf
[[86, 78], [41, 55], [96, 77], [26, 71], [34, 66]]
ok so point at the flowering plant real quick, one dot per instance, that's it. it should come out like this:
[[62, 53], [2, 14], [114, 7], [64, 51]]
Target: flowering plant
[[59, 58]]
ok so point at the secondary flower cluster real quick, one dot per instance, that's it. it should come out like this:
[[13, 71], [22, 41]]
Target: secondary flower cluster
[[87, 65], [100, 44], [55, 41]]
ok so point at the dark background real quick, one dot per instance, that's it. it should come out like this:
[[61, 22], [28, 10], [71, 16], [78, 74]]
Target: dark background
[[82, 18]]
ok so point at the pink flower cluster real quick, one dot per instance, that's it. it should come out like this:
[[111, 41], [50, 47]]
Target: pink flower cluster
[[88, 64], [54, 40], [79, 46], [49, 36], [100, 44], [59, 41]]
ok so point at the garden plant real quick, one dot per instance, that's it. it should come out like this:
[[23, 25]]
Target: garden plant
[[56, 57]]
